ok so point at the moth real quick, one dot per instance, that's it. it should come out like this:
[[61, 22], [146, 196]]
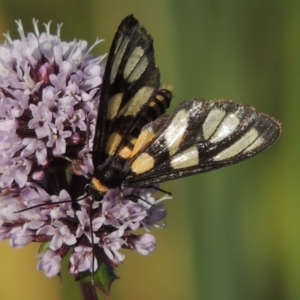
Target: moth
[[137, 145]]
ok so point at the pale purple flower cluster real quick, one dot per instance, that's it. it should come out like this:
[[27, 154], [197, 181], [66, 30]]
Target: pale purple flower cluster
[[49, 95]]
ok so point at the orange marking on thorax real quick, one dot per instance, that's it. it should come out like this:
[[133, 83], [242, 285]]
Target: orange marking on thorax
[[98, 185]]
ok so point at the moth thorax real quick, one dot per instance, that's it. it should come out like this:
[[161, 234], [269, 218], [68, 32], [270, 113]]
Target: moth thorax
[[97, 191], [112, 174]]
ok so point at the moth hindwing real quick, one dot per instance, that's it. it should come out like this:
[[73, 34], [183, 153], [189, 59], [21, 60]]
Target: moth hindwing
[[136, 145]]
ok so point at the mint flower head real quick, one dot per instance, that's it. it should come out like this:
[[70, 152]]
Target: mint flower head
[[49, 95]]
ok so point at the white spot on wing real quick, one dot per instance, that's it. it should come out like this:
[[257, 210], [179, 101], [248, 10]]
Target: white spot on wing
[[118, 44], [212, 121], [175, 131], [136, 65], [136, 102], [139, 69], [112, 143], [113, 105], [186, 158], [258, 142], [144, 162], [118, 58], [226, 128], [240, 145]]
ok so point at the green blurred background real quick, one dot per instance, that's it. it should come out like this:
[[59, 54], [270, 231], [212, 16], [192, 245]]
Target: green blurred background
[[234, 233]]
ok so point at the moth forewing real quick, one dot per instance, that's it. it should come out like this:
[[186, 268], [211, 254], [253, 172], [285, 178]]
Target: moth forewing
[[130, 80], [260, 132], [201, 136]]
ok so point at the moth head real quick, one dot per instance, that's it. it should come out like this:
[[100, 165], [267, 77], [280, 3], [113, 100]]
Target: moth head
[[110, 175]]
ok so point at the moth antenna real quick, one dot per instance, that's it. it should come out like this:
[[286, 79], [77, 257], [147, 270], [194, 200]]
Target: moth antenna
[[92, 241], [76, 164], [87, 132], [159, 189], [52, 203], [139, 198]]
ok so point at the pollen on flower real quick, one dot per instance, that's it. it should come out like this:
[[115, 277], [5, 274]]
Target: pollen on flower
[[49, 96]]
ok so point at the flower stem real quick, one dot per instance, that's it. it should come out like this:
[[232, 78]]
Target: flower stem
[[88, 291]]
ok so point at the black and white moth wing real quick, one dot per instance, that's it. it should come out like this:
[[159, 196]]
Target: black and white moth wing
[[201, 136], [130, 80]]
